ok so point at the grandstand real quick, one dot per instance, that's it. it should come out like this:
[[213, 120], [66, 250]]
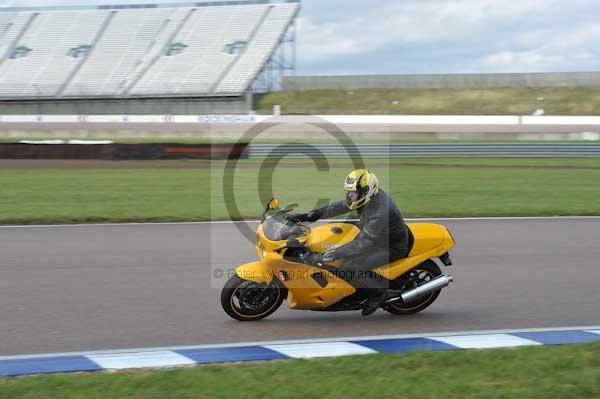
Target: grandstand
[[154, 58]]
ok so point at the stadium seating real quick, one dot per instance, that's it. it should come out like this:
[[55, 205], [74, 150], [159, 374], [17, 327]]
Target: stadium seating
[[117, 53], [199, 66], [192, 50], [258, 50]]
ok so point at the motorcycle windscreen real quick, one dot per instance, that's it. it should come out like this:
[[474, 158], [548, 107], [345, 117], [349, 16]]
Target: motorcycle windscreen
[[278, 228]]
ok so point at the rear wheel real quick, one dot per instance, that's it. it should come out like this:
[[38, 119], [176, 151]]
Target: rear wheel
[[421, 274], [248, 301]]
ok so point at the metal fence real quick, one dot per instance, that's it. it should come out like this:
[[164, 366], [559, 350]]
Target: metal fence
[[425, 150]]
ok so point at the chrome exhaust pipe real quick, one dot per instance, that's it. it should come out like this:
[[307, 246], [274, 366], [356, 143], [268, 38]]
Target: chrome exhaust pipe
[[422, 290]]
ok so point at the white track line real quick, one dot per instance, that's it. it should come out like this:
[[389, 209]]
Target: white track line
[[304, 341], [500, 218]]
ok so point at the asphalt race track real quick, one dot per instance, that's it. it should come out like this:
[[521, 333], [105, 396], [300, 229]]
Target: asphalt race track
[[73, 288]]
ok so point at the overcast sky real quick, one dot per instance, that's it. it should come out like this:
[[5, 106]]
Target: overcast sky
[[435, 36]]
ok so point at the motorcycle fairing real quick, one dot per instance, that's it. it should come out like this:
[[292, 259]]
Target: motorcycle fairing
[[305, 292]]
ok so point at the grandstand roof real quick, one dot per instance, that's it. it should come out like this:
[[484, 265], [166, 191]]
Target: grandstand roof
[[152, 50]]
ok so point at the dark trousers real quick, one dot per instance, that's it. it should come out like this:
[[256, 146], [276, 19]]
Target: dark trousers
[[359, 271]]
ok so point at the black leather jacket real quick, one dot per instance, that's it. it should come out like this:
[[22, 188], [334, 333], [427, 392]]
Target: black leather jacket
[[381, 225]]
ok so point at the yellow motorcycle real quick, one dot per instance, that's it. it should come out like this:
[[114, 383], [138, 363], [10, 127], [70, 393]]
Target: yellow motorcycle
[[258, 288]]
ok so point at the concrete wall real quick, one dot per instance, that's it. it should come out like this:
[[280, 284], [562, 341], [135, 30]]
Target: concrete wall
[[137, 106], [305, 128], [458, 81]]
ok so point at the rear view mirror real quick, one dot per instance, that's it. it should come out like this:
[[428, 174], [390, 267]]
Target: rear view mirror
[[272, 204]]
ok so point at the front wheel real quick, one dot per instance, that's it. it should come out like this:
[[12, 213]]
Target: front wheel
[[421, 274], [246, 300]]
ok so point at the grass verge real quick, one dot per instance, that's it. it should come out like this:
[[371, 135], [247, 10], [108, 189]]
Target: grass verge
[[533, 372], [422, 188], [493, 101]]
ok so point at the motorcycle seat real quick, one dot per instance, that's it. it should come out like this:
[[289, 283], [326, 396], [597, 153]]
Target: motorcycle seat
[[427, 236]]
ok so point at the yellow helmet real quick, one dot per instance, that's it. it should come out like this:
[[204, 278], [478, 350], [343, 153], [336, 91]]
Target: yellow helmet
[[365, 183]]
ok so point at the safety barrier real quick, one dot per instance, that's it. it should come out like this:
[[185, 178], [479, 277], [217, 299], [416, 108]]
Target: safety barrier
[[116, 151], [335, 119]]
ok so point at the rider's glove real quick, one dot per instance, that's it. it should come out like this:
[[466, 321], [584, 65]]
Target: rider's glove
[[329, 256], [310, 216]]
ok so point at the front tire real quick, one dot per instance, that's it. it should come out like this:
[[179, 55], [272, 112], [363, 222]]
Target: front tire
[[426, 271], [247, 300]]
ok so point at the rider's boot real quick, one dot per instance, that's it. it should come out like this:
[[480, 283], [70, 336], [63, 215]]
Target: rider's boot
[[374, 302]]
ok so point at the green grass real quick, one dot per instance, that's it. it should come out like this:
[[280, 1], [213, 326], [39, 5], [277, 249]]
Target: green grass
[[496, 101], [563, 372], [422, 188]]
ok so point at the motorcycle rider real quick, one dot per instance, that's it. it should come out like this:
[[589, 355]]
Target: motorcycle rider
[[384, 236]]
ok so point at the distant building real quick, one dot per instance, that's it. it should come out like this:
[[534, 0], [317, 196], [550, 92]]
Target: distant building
[[102, 55]]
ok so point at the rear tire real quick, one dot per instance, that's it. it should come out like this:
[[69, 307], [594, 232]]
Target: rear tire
[[426, 271], [246, 300]]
